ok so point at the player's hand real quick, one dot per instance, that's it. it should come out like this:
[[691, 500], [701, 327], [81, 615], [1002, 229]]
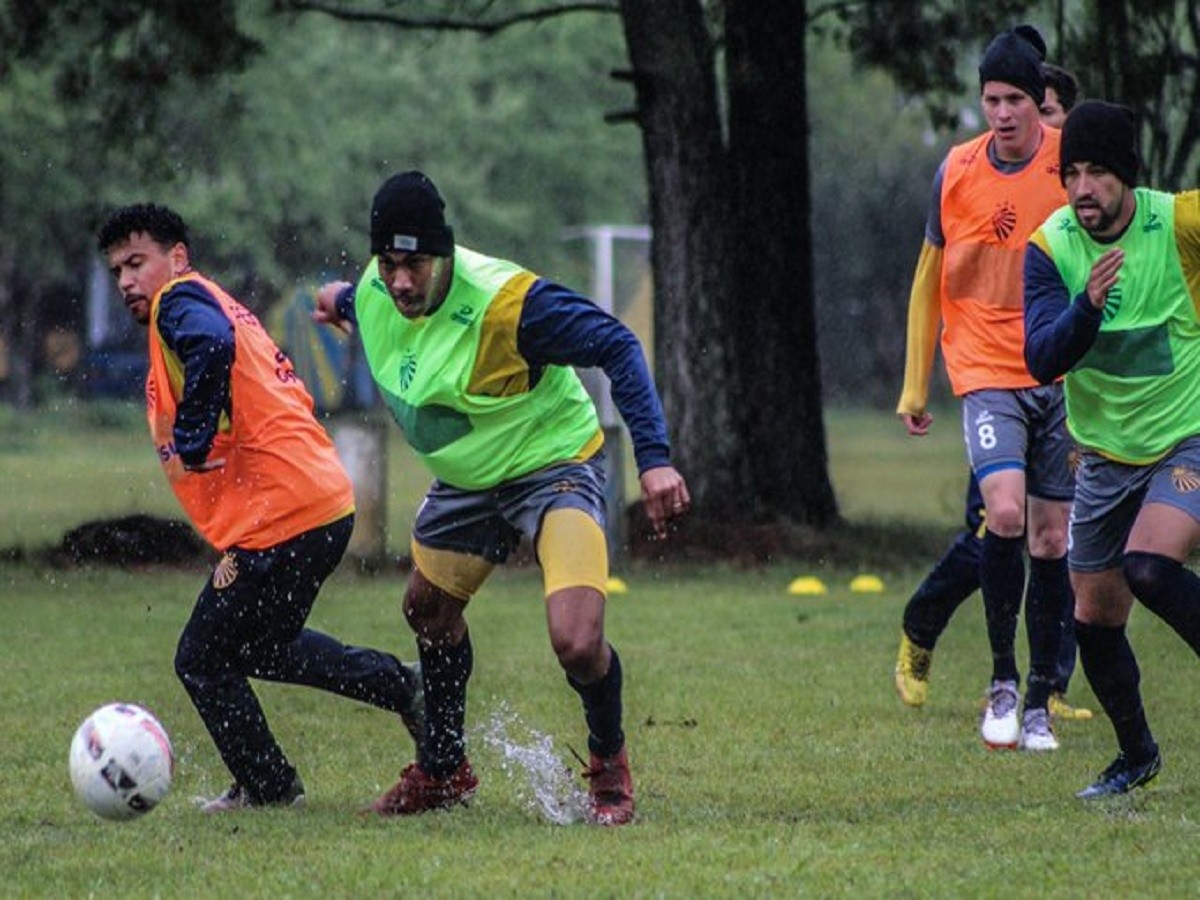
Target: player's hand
[[326, 312], [209, 465], [665, 495], [1104, 276], [917, 423]]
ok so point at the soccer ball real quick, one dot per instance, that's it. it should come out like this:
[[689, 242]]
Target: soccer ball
[[121, 761]]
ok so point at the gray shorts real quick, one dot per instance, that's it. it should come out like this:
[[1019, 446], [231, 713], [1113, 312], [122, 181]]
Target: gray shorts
[[489, 523], [1109, 495], [1024, 429]]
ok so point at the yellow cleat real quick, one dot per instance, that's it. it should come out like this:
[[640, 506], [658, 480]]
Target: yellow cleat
[[1061, 709], [912, 672]]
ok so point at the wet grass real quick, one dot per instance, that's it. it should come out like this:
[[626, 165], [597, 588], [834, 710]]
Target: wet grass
[[771, 756], [770, 753]]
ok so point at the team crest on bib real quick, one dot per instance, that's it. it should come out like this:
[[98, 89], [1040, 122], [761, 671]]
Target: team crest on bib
[[1185, 479], [226, 572]]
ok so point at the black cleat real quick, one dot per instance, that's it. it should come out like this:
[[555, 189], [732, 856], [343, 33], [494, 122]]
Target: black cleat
[[1121, 777]]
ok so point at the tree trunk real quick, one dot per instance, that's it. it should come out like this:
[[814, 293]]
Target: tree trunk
[[774, 329], [675, 80]]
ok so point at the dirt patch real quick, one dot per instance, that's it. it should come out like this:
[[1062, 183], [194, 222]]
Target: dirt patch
[[134, 540]]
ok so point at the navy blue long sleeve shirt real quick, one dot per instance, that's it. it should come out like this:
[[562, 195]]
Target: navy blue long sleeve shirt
[[196, 330], [1059, 329]]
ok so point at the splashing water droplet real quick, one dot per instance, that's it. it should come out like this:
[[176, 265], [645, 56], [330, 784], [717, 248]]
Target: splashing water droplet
[[543, 781]]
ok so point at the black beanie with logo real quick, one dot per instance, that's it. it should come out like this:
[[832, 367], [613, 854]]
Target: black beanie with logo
[[1101, 133], [1013, 59], [406, 215]]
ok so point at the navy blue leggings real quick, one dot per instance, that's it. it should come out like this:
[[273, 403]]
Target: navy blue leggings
[[253, 627]]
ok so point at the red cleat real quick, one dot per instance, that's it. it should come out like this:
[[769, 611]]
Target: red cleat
[[611, 787], [416, 792]]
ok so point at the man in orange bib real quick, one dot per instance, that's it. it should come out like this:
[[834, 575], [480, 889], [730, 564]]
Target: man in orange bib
[[259, 478], [990, 194]]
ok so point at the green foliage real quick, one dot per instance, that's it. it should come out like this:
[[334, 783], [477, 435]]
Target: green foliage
[[1147, 56], [1143, 54], [922, 44], [273, 155], [873, 159]]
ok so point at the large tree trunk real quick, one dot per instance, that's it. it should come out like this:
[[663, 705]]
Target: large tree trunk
[[774, 328], [675, 80]]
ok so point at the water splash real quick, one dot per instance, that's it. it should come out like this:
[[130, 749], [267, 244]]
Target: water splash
[[529, 759]]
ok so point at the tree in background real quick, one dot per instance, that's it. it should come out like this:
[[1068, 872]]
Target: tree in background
[[82, 91], [274, 160], [728, 181], [1145, 54], [167, 96]]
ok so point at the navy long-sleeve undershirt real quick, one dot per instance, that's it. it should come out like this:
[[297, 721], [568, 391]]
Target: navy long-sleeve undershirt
[[1059, 330], [194, 328]]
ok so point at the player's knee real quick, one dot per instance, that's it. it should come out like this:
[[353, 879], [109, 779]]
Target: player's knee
[[192, 664], [1150, 575], [1007, 519], [425, 619], [433, 616], [580, 653]]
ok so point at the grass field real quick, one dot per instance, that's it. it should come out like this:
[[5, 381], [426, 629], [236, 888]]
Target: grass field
[[771, 755], [84, 461]]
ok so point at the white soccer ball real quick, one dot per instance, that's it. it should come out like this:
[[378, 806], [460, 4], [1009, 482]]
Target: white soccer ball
[[121, 761]]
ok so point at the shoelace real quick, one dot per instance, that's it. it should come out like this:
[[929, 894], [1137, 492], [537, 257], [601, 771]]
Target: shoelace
[[1003, 700], [1036, 722]]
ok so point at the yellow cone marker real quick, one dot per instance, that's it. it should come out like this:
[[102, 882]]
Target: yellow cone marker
[[866, 584], [615, 585], [808, 586]]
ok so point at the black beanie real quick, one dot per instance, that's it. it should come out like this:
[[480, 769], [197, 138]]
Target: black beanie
[[1102, 133], [1031, 34], [406, 215], [1013, 59]]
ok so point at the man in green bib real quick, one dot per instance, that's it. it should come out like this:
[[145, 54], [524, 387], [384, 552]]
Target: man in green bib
[[1112, 288], [474, 358]]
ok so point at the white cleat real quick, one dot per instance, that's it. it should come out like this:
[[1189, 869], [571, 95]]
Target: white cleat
[[1036, 733], [1000, 729]]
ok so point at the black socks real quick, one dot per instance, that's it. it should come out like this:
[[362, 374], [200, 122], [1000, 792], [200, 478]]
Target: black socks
[[602, 709], [1113, 673], [1002, 581], [446, 671], [1045, 602]]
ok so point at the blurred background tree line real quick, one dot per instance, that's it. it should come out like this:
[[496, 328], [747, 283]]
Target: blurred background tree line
[[269, 124]]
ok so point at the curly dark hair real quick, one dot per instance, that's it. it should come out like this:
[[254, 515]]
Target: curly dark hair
[[163, 225]]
